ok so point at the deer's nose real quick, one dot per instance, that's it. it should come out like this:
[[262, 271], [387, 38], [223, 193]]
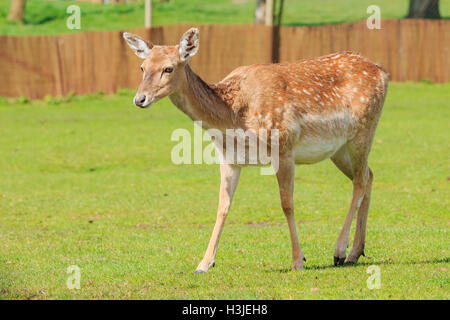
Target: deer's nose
[[140, 100]]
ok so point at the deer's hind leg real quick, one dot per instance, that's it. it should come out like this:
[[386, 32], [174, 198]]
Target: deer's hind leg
[[361, 223], [351, 159]]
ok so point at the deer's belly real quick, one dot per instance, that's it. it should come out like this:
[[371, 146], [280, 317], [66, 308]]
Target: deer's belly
[[313, 150]]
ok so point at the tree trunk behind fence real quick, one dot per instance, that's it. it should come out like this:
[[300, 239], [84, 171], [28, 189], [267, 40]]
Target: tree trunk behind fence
[[17, 10], [424, 9], [260, 12]]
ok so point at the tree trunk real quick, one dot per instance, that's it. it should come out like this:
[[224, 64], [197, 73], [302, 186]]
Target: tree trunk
[[270, 5], [424, 9], [279, 14], [260, 12], [17, 10]]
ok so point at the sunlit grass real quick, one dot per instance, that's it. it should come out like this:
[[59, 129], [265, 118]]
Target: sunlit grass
[[88, 181]]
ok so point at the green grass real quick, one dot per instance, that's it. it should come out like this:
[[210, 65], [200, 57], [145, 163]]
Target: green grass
[[88, 181], [49, 17]]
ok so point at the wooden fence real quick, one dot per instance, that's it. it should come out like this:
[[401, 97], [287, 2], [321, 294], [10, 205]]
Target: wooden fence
[[86, 62]]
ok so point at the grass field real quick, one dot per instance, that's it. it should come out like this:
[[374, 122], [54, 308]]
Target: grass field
[[88, 181], [49, 16]]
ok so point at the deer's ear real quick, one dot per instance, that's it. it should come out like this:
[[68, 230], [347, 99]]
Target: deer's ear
[[140, 47], [189, 44]]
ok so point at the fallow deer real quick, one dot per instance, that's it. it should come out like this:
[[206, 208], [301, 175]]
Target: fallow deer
[[326, 107]]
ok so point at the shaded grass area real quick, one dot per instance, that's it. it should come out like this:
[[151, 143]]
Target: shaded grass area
[[88, 181], [49, 16]]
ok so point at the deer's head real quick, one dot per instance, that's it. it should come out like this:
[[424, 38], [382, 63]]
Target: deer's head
[[163, 66]]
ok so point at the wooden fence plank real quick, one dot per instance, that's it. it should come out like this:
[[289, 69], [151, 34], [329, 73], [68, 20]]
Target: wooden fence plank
[[34, 66]]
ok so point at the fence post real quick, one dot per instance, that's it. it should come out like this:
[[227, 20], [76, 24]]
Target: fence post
[[269, 12], [148, 13]]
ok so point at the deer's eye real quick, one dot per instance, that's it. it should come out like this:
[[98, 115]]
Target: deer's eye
[[168, 70], [142, 69]]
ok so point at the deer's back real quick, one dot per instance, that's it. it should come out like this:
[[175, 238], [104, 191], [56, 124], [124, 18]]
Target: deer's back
[[314, 86], [330, 96]]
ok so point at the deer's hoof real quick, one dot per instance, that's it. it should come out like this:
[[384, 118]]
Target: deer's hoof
[[354, 256], [352, 259], [199, 271], [339, 261]]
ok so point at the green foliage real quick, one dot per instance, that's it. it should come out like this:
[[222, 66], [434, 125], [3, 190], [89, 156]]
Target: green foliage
[[22, 100], [40, 12], [125, 92], [58, 100], [89, 182], [427, 81]]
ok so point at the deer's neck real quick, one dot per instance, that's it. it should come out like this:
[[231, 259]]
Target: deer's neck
[[200, 102]]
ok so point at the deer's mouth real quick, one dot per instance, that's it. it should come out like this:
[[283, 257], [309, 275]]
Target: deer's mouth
[[144, 106], [143, 101]]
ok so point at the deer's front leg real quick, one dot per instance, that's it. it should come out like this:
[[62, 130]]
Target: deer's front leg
[[229, 177], [285, 176]]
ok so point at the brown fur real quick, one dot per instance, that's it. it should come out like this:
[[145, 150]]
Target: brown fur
[[326, 107]]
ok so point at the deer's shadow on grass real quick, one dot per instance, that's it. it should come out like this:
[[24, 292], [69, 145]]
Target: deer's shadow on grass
[[365, 263]]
